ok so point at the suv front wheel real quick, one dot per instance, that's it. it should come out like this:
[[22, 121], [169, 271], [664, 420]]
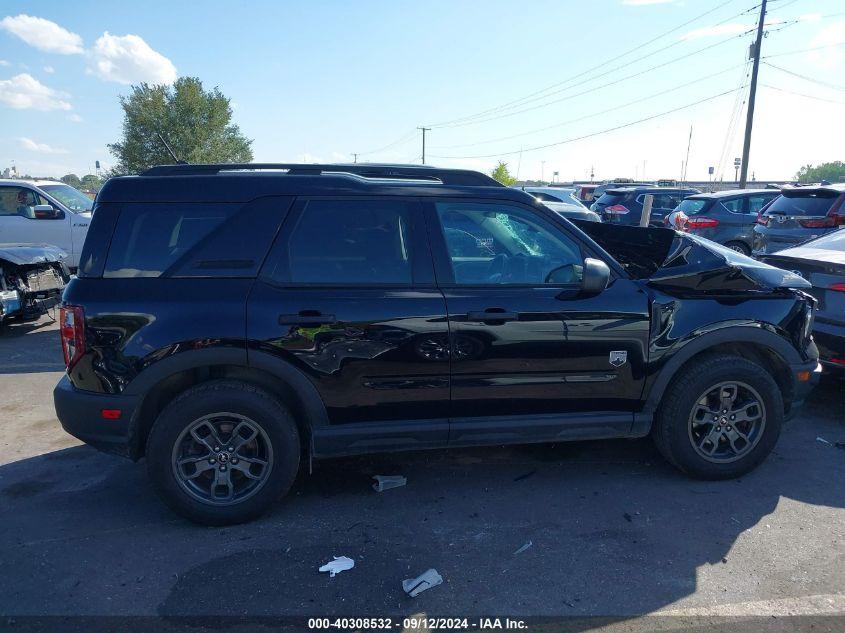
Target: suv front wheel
[[223, 452], [719, 418]]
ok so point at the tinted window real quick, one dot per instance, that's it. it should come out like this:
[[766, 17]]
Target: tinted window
[[340, 242], [693, 206], [756, 203], [544, 197], [810, 204], [19, 201], [609, 199], [734, 205], [149, 239], [489, 243]]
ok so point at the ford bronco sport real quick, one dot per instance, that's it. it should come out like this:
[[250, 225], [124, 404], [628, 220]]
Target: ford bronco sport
[[230, 322]]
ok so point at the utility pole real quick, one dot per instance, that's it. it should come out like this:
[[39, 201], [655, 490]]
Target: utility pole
[[355, 157], [424, 130], [752, 95]]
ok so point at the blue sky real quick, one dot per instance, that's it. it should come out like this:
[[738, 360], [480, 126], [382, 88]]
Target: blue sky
[[317, 81]]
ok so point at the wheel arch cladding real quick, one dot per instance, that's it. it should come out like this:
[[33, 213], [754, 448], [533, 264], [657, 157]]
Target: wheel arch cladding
[[757, 344], [278, 378]]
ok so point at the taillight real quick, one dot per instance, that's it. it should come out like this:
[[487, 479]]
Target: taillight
[[837, 218], [838, 287], [72, 329], [819, 223], [702, 223], [762, 219], [617, 209]]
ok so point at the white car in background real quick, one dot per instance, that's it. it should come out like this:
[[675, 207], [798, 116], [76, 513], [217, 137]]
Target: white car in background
[[44, 212], [563, 201]]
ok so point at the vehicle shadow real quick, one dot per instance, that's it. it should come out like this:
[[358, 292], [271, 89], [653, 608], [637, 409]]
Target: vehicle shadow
[[613, 530], [30, 347]]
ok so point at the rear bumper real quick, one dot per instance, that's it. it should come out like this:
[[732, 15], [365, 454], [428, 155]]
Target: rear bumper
[[80, 413], [830, 339], [802, 388]]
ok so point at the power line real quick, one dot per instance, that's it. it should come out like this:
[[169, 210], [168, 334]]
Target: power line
[[801, 94], [803, 50], [606, 85], [697, 80], [400, 141], [585, 136], [805, 78], [736, 113], [537, 94]]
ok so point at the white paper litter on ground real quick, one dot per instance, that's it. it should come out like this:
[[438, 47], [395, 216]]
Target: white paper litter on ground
[[386, 482], [339, 564], [415, 586]]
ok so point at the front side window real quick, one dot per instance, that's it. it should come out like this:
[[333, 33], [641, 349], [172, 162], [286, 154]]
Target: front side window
[[20, 201], [494, 244], [349, 242]]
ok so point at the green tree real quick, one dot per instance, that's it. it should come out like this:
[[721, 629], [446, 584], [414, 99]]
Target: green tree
[[501, 173], [196, 123], [72, 180], [90, 182], [832, 172]]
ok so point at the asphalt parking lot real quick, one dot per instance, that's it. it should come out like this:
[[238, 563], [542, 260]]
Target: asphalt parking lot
[[613, 529]]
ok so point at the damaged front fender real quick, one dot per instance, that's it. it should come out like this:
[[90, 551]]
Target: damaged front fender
[[680, 263]]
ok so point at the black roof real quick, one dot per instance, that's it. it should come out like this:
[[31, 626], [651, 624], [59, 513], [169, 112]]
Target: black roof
[[243, 182]]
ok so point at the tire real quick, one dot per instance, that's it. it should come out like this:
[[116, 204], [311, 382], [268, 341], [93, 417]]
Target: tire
[[184, 467], [739, 247], [677, 429]]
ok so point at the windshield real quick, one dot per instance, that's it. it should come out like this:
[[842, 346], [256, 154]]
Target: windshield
[[692, 206], [809, 205], [70, 197]]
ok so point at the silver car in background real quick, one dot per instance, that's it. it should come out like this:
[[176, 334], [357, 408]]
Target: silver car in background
[[563, 201]]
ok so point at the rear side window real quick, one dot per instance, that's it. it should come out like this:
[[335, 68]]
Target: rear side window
[[734, 205], [809, 205], [693, 206], [193, 240], [348, 242]]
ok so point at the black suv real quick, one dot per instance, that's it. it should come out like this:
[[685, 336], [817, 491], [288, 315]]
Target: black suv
[[232, 321]]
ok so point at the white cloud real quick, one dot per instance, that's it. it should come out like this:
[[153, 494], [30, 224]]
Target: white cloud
[[74, 118], [25, 92], [129, 59], [828, 58], [810, 17], [5, 63], [642, 3], [43, 34], [49, 70], [729, 28], [41, 148]]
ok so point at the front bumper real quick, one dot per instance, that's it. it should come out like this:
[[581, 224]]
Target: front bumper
[[80, 413], [802, 387]]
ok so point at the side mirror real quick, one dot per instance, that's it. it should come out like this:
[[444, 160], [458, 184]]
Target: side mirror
[[47, 212], [596, 276]]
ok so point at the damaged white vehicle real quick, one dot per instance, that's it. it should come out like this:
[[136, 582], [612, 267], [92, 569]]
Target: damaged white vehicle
[[32, 278]]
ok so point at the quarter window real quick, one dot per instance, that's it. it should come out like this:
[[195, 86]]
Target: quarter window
[[734, 205], [493, 244]]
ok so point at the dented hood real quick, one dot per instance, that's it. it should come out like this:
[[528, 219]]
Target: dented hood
[[23, 254], [682, 262]]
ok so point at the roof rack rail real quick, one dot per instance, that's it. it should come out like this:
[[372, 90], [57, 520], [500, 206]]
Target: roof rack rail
[[457, 177]]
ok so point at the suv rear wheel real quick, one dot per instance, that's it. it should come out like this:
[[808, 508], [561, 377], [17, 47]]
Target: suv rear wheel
[[719, 417], [739, 247], [223, 452]]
